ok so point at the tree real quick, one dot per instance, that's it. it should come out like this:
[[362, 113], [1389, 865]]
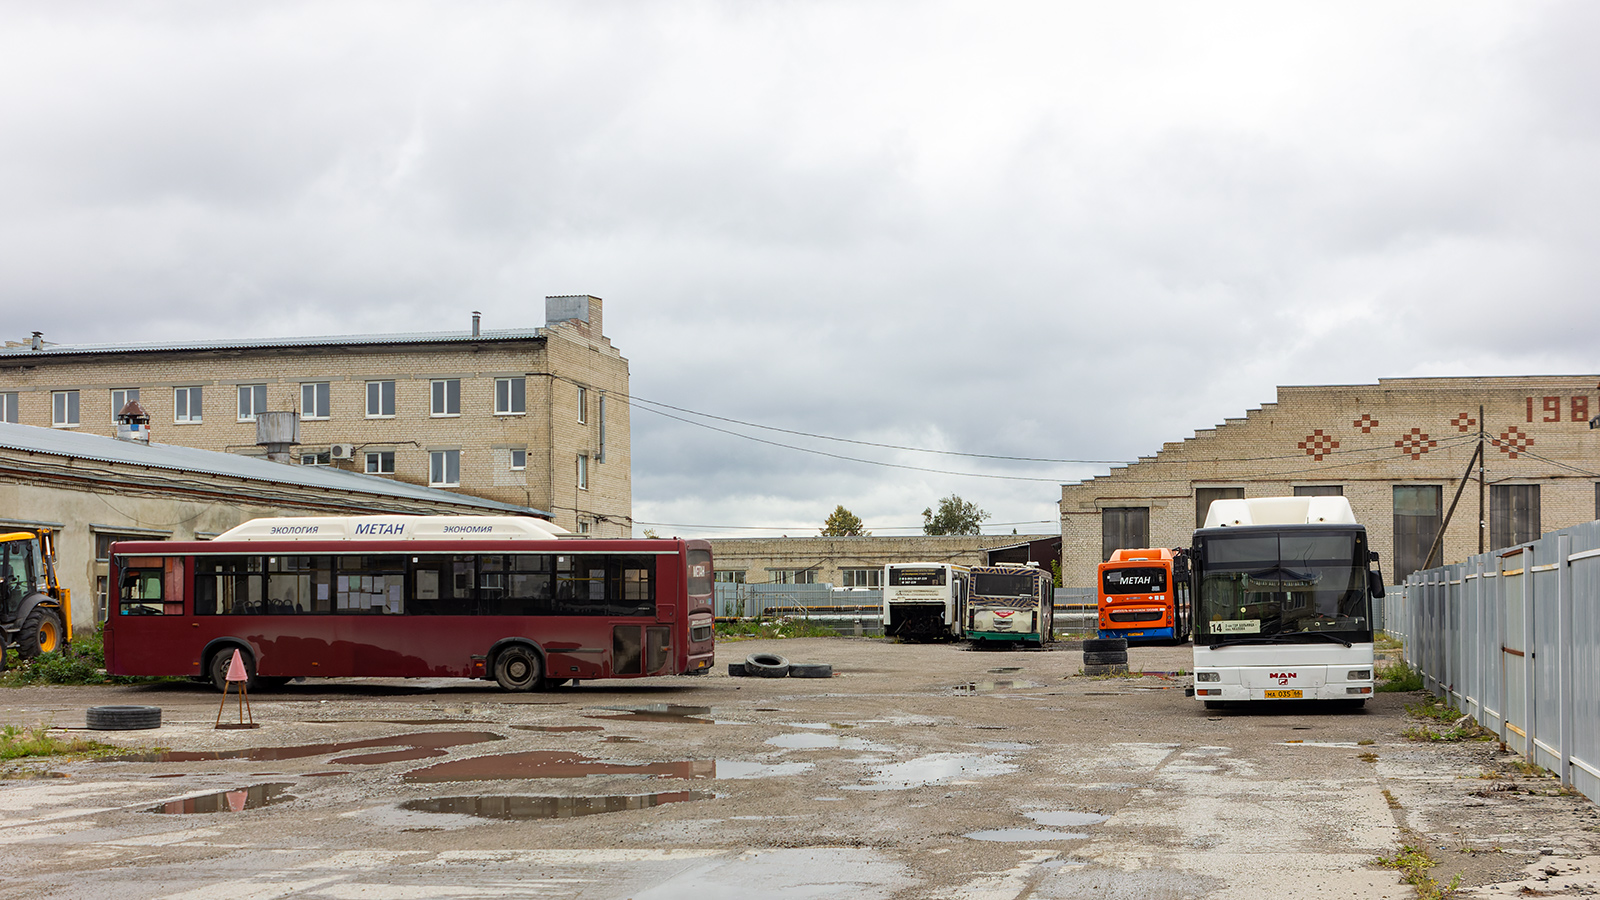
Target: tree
[[844, 523], [955, 516]]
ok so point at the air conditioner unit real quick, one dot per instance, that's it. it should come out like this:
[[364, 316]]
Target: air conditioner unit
[[342, 451]]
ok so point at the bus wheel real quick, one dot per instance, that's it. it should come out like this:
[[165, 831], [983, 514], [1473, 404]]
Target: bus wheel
[[1216, 704], [517, 669], [224, 658], [41, 633]]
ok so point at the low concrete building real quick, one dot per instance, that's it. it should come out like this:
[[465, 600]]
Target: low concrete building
[[95, 490]]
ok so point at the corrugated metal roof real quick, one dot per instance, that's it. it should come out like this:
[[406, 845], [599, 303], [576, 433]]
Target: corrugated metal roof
[[71, 444], [418, 337]]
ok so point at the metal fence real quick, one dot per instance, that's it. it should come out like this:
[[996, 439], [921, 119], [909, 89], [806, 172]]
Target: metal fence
[[1512, 638]]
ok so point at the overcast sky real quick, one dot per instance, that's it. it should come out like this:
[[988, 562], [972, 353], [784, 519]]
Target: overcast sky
[[1044, 230]]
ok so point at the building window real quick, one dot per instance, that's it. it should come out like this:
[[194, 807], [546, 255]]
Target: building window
[[380, 462], [861, 578], [519, 458], [380, 399], [583, 472], [119, 399], [728, 576], [186, 404], [313, 458], [64, 409], [583, 405], [793, 576], [600, 456], [510, 396], [1416, 523], [583, 526], [314, 396], [1319, 490], [1203, 498], [1123, 527], [252, 401], [8, 408], [447, 397], [444, 468], [1513, 514]]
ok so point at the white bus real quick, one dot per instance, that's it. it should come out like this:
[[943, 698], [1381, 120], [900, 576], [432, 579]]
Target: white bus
[[1283, 602], [1010, 603], [924, 601]]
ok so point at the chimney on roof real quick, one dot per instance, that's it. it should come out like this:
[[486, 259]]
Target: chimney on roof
[[475, 317], [133, 423], [278, 431], [38, 340]]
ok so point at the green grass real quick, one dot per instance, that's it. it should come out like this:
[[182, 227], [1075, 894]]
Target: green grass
[[751, 629], [1433, 710], [81, 662], [1413, 862], [1398, 677], [18, 742]]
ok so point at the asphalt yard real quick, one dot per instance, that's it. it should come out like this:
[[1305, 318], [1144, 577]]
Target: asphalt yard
[[917, 771]]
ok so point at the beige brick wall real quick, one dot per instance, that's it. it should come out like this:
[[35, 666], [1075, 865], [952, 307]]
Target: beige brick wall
[[566, 356], [1366, 438], [758, 557]]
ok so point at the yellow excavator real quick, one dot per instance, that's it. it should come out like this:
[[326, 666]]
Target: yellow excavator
[[35, 610]]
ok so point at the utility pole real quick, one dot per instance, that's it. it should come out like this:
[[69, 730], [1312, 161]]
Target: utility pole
[[1483, 525]]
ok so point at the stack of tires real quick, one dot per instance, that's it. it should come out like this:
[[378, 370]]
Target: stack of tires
[[1105, 656]]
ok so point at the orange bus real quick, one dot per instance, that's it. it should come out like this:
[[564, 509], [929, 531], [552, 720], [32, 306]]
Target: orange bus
[[1144, 596]]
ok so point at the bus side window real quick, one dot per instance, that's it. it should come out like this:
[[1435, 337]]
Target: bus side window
[[140, 593]]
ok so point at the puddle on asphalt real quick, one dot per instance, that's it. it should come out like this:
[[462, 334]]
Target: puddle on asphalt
[[740, 770], [322, 774], [433, 743], [1351, 745], [984, 687], [1005, 670], [253, 797], [933, 769], [1019, 835], [667, 713], [562, 764], [817, 726], [813, 741], [622, 739], [1065, 818], [559, 728], [526, 808]]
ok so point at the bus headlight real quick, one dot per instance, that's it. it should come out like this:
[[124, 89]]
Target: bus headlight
[[1358, 675], [1207, 676]]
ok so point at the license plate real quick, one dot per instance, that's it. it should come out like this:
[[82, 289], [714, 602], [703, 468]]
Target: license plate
[[1284, 695]]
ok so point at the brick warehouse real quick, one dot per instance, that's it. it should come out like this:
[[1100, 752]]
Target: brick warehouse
[[534, 417], [1397, 449]]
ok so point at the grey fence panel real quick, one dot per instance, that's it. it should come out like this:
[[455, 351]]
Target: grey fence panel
[[1513, 638]]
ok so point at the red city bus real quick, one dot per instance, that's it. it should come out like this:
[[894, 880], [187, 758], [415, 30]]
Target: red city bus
[[1144, 596], [410, 597]]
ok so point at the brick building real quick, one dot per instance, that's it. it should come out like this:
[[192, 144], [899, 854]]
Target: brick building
[[1397, 449], [853, 562], [532, 417]]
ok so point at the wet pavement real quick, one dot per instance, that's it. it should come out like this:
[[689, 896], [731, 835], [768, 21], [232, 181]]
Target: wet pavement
[[918, 771]]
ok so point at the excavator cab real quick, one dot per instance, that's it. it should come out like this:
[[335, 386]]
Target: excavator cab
[[35, 611]]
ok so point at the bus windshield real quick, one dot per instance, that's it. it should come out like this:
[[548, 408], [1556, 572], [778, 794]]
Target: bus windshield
[[1266, 585]]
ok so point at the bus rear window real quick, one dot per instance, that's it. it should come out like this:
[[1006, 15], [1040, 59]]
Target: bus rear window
[[916, 577], [985, 584], [1137, 580], [700, 573]]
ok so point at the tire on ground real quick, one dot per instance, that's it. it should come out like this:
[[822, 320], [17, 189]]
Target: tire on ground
[[1100, 645], [1105, 670], [41, 633], [123, 718], [219, 668], [810, 670], [1106, 658], [517, 668], [766, 665]]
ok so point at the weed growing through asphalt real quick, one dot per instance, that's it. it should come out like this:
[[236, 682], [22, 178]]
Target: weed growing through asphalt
[[18, 742], [1413, 862], [1461, 727], [1398, 678]]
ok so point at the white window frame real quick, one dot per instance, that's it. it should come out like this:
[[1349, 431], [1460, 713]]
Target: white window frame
[[519, 458], [380, 398], [441, 405], [65, 407], [583, 472], [439, 464], [119, 399], [8, 406], [850, 577], [188, 411], [313, 394], [375, 460], [511, 396], [316, 458], [793, 576], [253, 403], [583, 406]]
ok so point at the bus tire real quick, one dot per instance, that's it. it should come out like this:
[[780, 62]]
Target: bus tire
[[1216, 704], [41, 633], [766, 665], [224, 658], [122, 718], [810, 670], [736, 670], [518, 669], [1105, 658], [1105, 670], [1101, 645]]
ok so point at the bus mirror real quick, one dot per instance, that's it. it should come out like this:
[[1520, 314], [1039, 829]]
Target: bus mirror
[[1372, 556], [1375, 583]]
